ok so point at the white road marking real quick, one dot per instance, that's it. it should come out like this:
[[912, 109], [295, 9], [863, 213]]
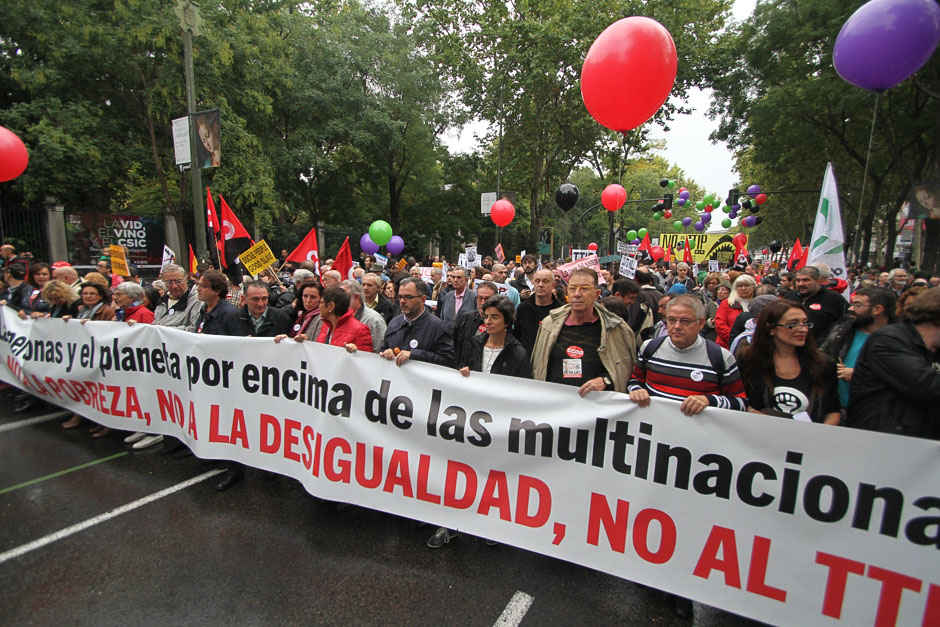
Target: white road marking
[[91, 522], [515, 610], [34, 421]]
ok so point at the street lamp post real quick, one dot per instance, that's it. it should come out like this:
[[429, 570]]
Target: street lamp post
[[191, 22]]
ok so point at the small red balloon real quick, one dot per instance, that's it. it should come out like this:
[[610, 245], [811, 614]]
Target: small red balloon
[[13, 156], [764, 251], [613, 197], [592, 246], [667, 214], [628, 73], [502, 212], [708, 208], [760, 199], [657, 253]]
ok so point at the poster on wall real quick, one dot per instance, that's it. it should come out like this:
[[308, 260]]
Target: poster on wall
[[89, 233]]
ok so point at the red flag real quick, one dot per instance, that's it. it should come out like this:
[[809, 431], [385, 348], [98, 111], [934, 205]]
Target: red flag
[[210, 210], [669, 253], [235, 240], [687, 254], [795, 254], [803, 258], [307, 250], [192, 260], [343, 262], [645, 244]]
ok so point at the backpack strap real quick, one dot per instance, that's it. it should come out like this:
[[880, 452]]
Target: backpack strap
[[652, 346], [716, 359]]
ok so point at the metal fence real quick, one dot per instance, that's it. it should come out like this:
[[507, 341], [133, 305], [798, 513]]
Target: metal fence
[[25, 229]]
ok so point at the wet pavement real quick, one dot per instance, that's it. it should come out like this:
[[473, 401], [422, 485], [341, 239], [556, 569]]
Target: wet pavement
[[264, 552]]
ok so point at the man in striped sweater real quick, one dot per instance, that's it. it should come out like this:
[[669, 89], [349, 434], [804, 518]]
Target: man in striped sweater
[[686, 367]]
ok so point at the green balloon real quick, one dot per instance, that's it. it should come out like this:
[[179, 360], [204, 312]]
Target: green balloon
[[380, 232], [677, 225], [726, 223], [656, 216], [709, 199], [672, 184], [642, 233], [700, 205], [631, 235], [726, 208]]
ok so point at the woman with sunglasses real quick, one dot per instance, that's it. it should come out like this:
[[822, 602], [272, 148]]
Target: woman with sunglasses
[[784, 373]]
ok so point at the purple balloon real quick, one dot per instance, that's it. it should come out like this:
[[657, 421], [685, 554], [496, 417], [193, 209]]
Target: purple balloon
[[367, 245], [636, 242], [680, 201], [885, 41], [395, 245], [686, 221], [699, 226], [753, 190], [735, 207], [706, 218], [748, 221], [733, 215], [685, 195]]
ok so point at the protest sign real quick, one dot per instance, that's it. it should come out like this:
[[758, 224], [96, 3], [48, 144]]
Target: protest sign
[[591, 262], [118, 260], [628, 266], [380, 260], [782, 521], [714, 265], [257, 258], [581, 253], [168, 256], [472, 258]]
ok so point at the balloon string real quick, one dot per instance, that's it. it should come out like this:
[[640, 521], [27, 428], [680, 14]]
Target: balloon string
[[861, 202], [623, 146]]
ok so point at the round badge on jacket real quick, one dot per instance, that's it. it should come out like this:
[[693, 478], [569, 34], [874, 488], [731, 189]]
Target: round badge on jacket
[[575, 352], [413, 343], [815, 306], [697, 375]]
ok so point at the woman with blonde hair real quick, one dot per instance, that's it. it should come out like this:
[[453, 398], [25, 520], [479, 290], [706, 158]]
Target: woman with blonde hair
[[61, 298], [742, 291]]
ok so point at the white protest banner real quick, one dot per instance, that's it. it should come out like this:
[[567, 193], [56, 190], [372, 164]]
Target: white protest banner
[[168, 256], [462, 260], [786, 522], [380, 260], [622, 247], [473, 259], [426, 274], [591, 262], [714, 265], [628, 266], [581, 253]]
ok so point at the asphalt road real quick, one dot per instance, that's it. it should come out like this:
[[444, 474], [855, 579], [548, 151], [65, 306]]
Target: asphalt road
[[264, 552]]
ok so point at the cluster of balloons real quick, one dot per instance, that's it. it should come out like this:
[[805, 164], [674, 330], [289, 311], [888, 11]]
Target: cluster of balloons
[[885, 41], [706, 206], [13, 156], [380, 234]]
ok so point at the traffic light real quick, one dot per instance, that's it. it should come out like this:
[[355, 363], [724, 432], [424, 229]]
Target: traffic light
[[667, 201]]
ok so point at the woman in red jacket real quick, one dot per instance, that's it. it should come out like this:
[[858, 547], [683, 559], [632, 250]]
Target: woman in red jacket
[[741, 294], [129, 298], [340, 328]]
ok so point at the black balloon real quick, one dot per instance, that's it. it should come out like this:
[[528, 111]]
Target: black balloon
[[746, 204], [775, 246], [664, 182], [755, 208], [758, 219], [566, 196]]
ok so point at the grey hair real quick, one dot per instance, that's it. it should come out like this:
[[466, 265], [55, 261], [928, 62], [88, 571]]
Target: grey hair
[[353, 286], [133, 290], [682, 264], [687, 300], [300, 275], [173, 269]]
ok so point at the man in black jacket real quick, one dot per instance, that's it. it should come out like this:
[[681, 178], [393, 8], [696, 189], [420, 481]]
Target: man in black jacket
[[526, 283], [259, 320], [895, 385], [373, 299], [18, 290], [824, 307], [872, 308], [532, 311], [416, 333]]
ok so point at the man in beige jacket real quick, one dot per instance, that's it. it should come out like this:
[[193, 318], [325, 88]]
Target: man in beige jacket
[[582, 344]]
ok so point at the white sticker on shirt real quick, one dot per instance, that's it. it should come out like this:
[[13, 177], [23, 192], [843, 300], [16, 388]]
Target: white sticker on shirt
[[413, 343], [697, 375], [571, 368]]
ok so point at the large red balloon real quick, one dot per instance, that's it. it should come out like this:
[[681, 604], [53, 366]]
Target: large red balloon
[[13, 156], [502, 212], [657, 253], [628, 73], [592, 246], [613, 197]]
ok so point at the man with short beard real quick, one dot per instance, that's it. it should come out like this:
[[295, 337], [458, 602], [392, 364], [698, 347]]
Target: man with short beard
[[872, 308], [525, 284]]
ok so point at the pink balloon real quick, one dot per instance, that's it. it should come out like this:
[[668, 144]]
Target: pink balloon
[[13, 156]]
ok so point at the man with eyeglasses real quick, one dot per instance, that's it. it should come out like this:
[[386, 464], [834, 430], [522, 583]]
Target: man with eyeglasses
[[685, 367], [470, 324], [416, 333], [582, 344], [872, 308]]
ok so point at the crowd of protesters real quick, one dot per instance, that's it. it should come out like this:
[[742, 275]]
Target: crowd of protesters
[[785, 344]]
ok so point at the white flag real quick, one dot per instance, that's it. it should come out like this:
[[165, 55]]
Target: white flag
[[827, 243], [168, 256]]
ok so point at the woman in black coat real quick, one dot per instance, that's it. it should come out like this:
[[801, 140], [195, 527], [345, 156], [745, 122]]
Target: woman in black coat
[[496, 351]]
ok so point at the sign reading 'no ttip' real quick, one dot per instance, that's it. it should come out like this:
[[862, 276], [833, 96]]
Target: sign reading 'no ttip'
[[787, 522]]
